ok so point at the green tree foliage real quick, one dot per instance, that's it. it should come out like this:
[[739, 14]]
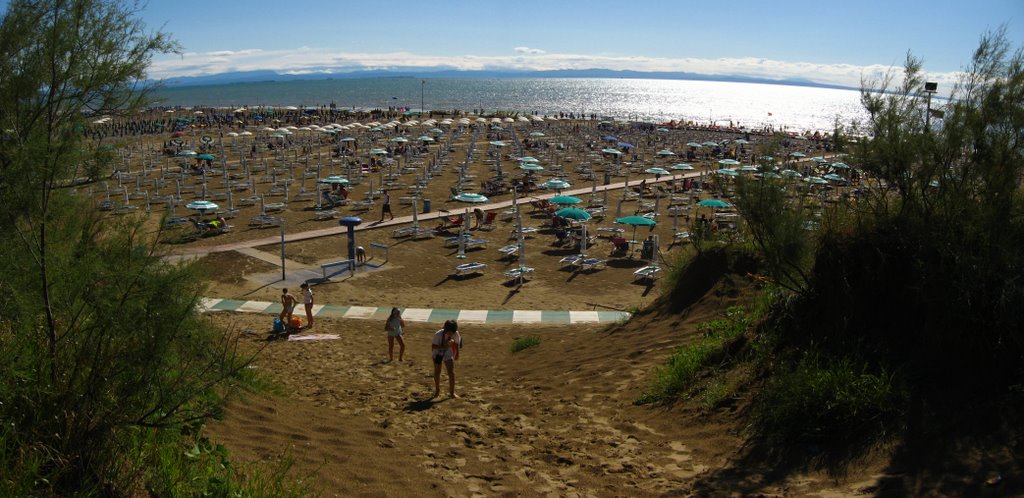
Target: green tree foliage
[[106, 365]]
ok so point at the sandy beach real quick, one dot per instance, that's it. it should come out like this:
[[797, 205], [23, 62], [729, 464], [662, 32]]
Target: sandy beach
[[557, 419]]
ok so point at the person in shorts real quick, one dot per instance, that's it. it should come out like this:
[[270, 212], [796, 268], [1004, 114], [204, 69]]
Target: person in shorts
[[444, 349], [394, 326]]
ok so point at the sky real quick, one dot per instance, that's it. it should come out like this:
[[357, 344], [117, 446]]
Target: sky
[[826, 42]]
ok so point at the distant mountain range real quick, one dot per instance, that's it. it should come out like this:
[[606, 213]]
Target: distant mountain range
[[261, 76]]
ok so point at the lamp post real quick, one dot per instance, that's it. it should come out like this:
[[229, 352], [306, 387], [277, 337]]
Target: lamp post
[[930, 87]]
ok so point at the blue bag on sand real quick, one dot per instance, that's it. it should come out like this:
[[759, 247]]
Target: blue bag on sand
[[278, 326]]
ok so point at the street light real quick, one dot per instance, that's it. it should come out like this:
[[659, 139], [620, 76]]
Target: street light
[[930, 87]]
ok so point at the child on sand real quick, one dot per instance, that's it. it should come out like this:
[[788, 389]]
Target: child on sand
[[444, 348], [307, 300], [287, 305], [393, 326]]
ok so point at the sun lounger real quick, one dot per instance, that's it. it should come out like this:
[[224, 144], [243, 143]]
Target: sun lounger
[[326, 214], [518, 273], [610, 231], [681, 235], [526, 231], [476, 243], [509, 250], [265, 221], [593, 264], [573, 260], [468, 268], [648, 272]]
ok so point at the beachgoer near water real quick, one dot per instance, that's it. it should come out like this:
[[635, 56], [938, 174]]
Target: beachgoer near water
[[444, 348], [287, 305], [307, 300], [394, 326]]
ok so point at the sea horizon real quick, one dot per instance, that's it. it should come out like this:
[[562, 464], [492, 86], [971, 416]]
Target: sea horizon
[[741, 104]]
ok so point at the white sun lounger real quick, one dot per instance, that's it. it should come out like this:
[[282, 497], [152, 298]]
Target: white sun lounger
[[467, 268], [518, 273], [649, 272]]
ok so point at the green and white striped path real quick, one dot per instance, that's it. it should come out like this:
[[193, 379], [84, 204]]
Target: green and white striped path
[[537, 317]]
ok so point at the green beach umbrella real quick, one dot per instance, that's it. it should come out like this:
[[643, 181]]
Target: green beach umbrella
[[528, 159], [694, 144], [729, 162], [665, 152], [611, 151], [797, 154], [571, 213], [498, 143], [400, 140], [840, 166], [565, 200], [424, 138], [714, 203], [206, 157], [682, 166], [556, 184], [378, 152], [334, 180], [657, 171], [188, 153], [727, 172], [471, 198], [636, 221], [791, 173], [531, 167]]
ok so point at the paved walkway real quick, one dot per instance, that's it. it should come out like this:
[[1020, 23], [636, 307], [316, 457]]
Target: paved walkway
[[336, 230], [497, 317]]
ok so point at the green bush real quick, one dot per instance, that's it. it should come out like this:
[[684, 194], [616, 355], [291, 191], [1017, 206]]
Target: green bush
[[830, 402], [521, 343], [686, 364]]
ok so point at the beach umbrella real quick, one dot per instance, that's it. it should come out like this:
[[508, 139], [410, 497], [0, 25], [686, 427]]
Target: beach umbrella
[[536, 134], [665, 152], [531, 167], [728, 162], [657, 171], [834, 177], [347, 139], [814, 180], [740, 141], [611, 151], [334, 180], [819, 159], [528, 159], [694, 145], [424, 138], [573, 213], [727, 172], [791, 173], [400, 140], [710, 144], [797, 154], [378, 152], [206, 157], [556, 184], [471, 198], [201, 206], [187, 153], [681, 166], [498, 143], [748, 168], [840, 166], [714, 203], [565, 200], [610, 138], [625, 145], [636, 221]]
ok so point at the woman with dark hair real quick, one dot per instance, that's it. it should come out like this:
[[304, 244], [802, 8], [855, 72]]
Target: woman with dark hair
[[444, 348], [394, 326]]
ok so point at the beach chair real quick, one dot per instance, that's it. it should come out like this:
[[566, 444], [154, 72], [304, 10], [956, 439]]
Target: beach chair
[[262, 221], [526, 231], [592, 264], [620, 246], [449, 222], [649, 272], [469, 268], [472, 243], [488, 222], [325, 214]]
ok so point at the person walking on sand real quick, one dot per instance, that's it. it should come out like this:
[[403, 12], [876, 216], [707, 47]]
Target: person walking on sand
[[394, 326], [287, 305], [386, 207], [444, 348], [307, 299]]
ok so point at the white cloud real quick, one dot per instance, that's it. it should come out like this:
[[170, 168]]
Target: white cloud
[[306, 60], [528, 50]]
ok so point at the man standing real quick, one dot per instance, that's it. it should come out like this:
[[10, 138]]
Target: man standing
[[386, 209]]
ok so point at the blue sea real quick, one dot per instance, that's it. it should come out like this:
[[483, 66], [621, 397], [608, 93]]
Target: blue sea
[[754, 105]]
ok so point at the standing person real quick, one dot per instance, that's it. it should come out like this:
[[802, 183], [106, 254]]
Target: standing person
[[287, 305], [386, 208], [444, 348], [307, 299], [394, 326]]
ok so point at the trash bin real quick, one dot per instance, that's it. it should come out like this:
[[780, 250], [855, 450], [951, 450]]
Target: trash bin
[[426, 206], [607, 179]]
